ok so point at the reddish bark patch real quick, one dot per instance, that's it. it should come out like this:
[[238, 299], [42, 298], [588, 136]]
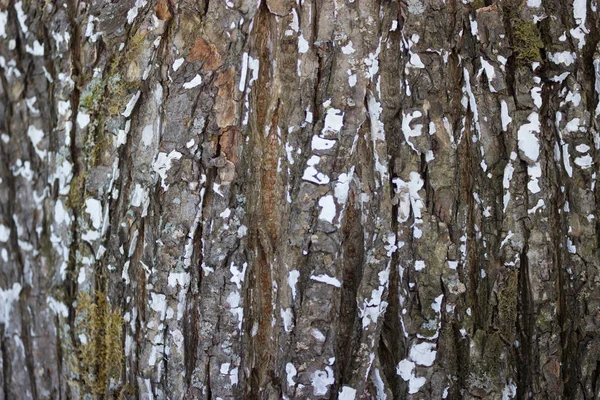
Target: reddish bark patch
[[206, 53]]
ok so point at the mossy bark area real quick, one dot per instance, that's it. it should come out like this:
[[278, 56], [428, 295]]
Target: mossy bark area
[[299, 200]]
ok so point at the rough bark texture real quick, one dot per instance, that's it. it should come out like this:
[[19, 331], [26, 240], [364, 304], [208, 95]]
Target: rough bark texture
[[309, 199]]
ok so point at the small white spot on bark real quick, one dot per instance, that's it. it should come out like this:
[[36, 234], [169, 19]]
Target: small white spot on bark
[[328, 210], [36, 50], [287, 316], [4, 233], [131, 104], [303, 45], [83, 119], [94, 208], [162, 165], [179, 62], [329, 280], [292, 281], [290, 372], [196, 81], [348, 49], [36, 135]]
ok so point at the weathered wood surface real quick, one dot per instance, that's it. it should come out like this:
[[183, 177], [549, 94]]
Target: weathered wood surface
[[309, 199]]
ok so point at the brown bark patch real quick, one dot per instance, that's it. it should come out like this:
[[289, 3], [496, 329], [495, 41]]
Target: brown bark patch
[[162, 10], [280, 7], [225, 105], [206, 53], [230, 143]]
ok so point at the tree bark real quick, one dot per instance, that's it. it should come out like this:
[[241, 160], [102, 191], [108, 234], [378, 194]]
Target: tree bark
[[277, 199]]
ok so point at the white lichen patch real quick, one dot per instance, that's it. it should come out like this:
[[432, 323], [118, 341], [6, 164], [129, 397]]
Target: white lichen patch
[[178, 278], [536, 95], [321, 380], [36, 135], [342, 186], [409, 198], [3, 22], [334, 120], [162, 164], [319, 143], [562, 57], [423, 353], [235, 307], [179, 62], [374, 307], [348, 49], [93, 208], [4, 233], [292, 281], [238, 274], [131, 104], [489, 71], [535, 172], [504, 116], [419, 265], [287, 317], [585, 162], [406, 370], [312, 175], [57, 307], [21, 17], [7, 298], [328, 210], [303, 45], [291, 373], [158, 303], [133, 12], [196, 81], [36, 50], [407, 130], [347, 393], [529, 144], [329, 280]]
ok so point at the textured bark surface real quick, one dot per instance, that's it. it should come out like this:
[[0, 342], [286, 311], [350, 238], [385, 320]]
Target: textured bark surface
[[312, 199]]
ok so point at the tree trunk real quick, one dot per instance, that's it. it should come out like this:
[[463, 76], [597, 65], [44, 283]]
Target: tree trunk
[[311, 199]]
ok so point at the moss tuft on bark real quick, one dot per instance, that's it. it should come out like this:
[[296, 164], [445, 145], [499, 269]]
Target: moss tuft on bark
[[477, 4], [76, 191], [526, 41], [100, 352]]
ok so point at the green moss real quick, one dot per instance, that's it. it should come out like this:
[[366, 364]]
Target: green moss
[[127, 392], [507, 306], [493, 354], [526, 41], [97, 144], [429, 329], [545, 319], [477, 4], [91, 97], [76, 192], [100, 352], [106, 96], [134, 47]]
